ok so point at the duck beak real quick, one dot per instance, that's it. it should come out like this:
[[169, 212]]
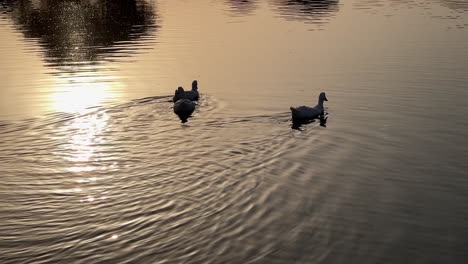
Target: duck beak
[[326, 99]]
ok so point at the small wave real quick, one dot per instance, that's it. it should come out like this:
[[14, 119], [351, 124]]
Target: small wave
[[88, 186]]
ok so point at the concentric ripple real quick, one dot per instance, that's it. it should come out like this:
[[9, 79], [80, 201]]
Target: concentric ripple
[[130, 183]]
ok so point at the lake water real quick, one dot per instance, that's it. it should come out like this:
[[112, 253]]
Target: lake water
[[96, 168]]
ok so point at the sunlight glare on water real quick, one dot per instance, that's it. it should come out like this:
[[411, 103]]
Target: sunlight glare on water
[[83, 140], [74, 94]]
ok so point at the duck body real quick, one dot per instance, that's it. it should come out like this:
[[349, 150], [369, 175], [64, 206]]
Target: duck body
[[192, 95], [305, 113], [183, 107]]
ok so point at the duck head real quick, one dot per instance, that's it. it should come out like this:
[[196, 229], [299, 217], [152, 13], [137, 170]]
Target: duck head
[[194, 85], [322, 97]]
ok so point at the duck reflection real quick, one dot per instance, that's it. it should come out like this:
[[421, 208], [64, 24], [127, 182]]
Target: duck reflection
[[242, 7], [298, 124], [82, 31], [314, 11]]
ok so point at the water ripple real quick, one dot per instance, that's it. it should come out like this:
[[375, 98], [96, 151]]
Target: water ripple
[[130, 183]]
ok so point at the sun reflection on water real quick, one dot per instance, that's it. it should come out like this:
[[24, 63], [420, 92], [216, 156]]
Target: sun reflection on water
[[84, 147], [84, 139], [78, 92]]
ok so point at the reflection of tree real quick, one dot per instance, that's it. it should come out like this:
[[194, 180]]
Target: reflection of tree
[[242, 7], [456, 5], [78, 31], [313, 10], [460, 6], [308, 10]]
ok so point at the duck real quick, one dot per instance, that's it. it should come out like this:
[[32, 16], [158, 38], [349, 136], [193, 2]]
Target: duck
[[183, 107], [305, 113], [190, 95]]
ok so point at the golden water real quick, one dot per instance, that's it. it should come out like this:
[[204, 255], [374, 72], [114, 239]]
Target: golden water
[[95, 167]]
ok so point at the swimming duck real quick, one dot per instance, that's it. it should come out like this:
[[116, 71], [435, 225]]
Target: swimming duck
[[304, 113], [190, 95], [183, 107]]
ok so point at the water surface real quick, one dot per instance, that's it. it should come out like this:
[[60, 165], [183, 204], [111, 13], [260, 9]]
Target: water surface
[[95, 166]]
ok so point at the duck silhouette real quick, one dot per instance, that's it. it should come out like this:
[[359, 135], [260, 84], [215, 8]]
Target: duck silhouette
[[307, 113], [183, 107]]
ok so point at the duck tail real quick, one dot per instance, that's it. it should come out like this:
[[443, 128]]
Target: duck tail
[[176, 96], [294, 112]]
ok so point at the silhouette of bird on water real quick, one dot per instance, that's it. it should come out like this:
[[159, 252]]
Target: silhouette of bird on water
[[183, 107], [305, 113]]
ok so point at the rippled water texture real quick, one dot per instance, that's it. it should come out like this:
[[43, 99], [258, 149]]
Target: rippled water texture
[[96, 168]]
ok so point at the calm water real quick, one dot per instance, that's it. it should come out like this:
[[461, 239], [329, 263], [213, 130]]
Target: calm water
[[96, 168]]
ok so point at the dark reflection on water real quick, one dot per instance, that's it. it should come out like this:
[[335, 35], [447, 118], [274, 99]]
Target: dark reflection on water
[[460, 5], [242, 7], [82, 32], [424, 7], [315, 11], [299, 125], [457, 5]]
